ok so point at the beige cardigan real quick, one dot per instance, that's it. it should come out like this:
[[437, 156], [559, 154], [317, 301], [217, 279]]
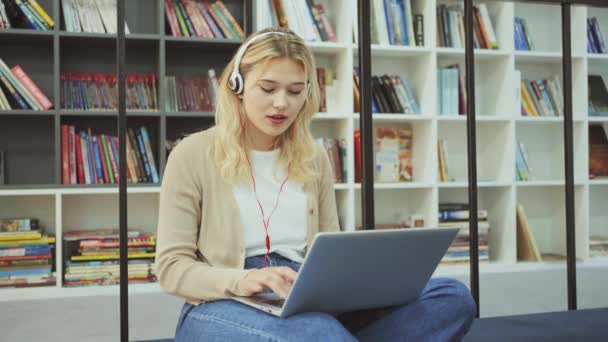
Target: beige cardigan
[[200, 253]]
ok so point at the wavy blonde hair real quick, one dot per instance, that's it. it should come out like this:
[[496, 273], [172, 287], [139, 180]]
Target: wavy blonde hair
[[227, 150]]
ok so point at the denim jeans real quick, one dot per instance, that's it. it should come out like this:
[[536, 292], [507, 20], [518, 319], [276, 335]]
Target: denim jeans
[[444, 312]]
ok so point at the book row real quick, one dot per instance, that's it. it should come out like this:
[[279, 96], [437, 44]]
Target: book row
[[85, 91], [89, 158], [196, 18], [309, 19], [18, 90], [24, 14], [450, 27]]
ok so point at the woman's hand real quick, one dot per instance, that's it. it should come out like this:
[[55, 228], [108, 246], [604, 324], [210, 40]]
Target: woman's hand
[[277, 279]]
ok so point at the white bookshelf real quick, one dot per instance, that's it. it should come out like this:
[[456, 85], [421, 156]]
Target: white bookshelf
[[499, 126]]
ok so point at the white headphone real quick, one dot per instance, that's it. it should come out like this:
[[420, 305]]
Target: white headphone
[[235, 82]]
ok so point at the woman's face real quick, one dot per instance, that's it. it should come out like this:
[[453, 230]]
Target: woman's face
[[274, 94]]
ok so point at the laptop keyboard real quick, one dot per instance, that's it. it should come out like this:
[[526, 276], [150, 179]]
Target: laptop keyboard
[[275, 302]]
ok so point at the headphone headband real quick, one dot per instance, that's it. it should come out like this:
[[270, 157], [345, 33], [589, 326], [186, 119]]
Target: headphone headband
[[236, 82]]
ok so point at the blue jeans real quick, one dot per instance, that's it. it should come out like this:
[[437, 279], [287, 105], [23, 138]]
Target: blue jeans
[[444, 312]]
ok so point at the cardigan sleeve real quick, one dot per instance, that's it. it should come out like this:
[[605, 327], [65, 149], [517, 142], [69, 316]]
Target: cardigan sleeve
[[180, 268], [328, 212]]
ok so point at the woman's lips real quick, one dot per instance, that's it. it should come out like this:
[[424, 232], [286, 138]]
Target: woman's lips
[[277, 119]]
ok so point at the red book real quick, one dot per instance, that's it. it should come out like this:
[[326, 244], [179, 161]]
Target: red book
[[172, 19], [72, 153], [31, 87], [26, 257], [65, 161], [79, 162]]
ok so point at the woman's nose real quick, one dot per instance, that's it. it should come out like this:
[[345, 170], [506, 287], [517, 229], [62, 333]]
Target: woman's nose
[[280, 100]]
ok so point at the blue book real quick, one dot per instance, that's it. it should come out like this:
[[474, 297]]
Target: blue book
[[12, 91], [27, 272], [404, 25], [89, 170], [98, 160], [144, 156], [389, 21], [146, 140]]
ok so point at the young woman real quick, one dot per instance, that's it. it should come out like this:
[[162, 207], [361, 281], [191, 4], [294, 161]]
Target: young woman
[[241, 202]]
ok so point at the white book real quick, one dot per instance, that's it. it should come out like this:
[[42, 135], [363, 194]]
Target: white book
[[67, 15], [99, 5], [517, 86], [292, 18], [3, 16], [488, 24], [381, 25], [410, 22], [85, 158], [309, 21], [355, 24], [214, 89], [76, 24], [81, 11], [264, 14]]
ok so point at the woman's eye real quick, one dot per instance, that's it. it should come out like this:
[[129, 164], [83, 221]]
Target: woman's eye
[[295, 92], [267, 90]]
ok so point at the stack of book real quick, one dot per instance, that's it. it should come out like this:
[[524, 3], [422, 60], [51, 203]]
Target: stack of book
[[96, 16], [595, 38], [27, 14], [307, 18], [598, 151], [88, 158], [18, 90], [196, 18], [336, 151], [457, 215], [598, 247], [450, 27], [92, 257], [95, 91], [26, 254]]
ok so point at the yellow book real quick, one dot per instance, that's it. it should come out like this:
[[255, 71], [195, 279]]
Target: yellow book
[[112, 256], [528, 102], [12, 237], [42, 240], [442, 176], [42, 12]]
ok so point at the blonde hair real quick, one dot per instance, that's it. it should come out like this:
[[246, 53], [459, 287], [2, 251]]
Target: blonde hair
[[227, 150]]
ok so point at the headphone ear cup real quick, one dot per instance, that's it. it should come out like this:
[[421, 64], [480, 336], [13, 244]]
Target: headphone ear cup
[[236, 83]]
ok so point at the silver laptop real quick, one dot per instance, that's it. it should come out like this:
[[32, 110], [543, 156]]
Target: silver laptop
[[347, 271]]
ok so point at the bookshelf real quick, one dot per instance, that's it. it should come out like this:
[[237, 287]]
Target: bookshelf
[[33, 161]]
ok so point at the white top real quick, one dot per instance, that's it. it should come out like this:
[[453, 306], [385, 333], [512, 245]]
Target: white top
[[287, 228]]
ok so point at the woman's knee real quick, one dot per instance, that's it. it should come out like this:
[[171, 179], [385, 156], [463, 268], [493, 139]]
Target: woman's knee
[[461, 294], [321, 326]]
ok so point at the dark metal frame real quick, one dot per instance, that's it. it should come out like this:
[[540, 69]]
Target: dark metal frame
[[367, 188]]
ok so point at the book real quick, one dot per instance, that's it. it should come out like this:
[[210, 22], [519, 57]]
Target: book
[[527, 249]]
